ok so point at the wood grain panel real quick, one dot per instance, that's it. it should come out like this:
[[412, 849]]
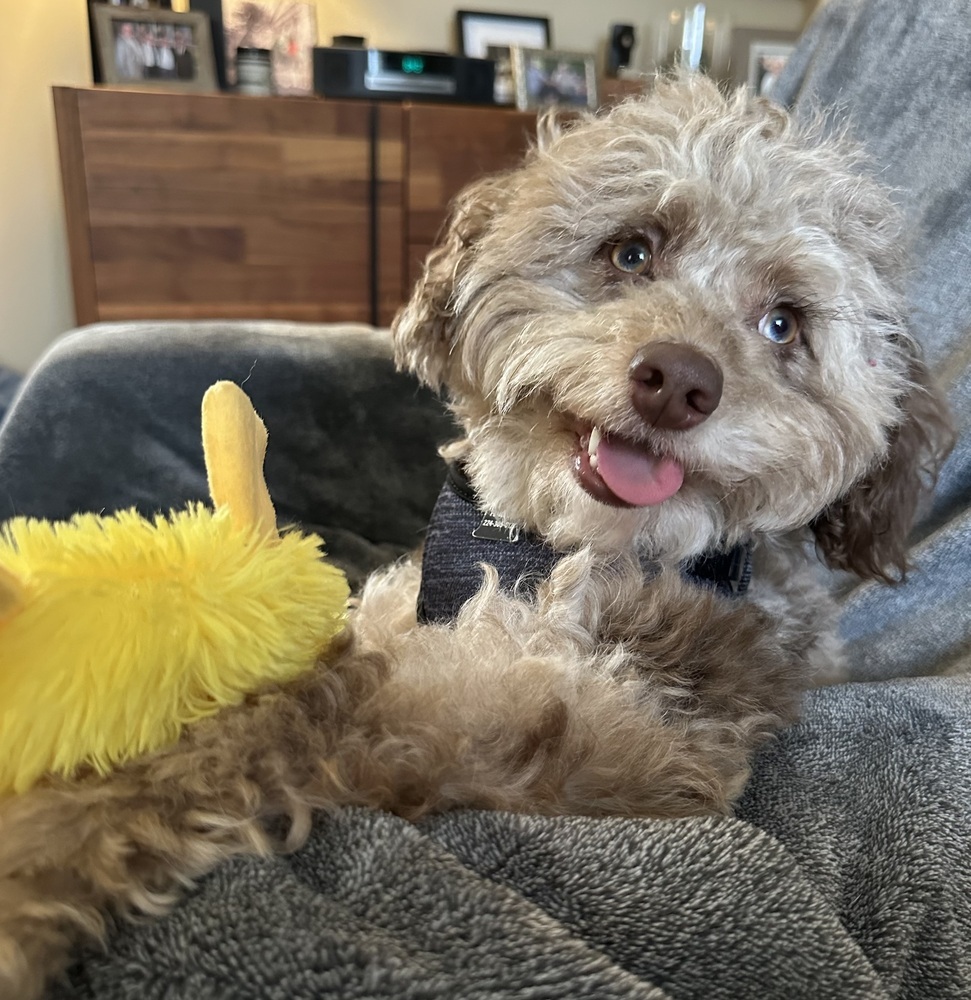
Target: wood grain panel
[[123, 282], [226, 206], [196, 206], [450, 146], [71, 152], [390, 165], [167, 243], [240, 193], [104, 109]]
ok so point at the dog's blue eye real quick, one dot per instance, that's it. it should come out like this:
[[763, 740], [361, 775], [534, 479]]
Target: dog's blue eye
[[631, 256], [780, 325]]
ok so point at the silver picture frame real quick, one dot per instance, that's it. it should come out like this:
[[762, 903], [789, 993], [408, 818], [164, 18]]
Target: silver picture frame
[[546, 78]]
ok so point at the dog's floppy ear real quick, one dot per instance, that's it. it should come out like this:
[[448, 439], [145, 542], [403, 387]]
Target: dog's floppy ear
[[866, 530], [424, 328]]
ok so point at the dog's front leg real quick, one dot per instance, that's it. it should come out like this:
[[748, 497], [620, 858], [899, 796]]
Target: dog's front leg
[[728, 679], [243, 781]]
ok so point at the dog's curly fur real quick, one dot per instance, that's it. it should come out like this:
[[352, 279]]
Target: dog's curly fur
[[607, 692]]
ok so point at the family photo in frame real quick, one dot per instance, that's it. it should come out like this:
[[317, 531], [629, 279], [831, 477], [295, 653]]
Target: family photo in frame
[[154, 48], [547, 77]]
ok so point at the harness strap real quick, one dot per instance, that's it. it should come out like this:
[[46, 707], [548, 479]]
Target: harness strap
[[461, 536]]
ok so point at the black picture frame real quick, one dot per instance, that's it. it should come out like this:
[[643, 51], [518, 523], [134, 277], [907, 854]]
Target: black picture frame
[[479, 30]]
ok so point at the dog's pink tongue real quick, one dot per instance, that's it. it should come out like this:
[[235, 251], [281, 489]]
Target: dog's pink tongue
[[637, 476]]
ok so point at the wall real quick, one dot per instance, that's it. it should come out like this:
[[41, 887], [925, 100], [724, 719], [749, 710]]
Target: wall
[[576, 24], [46, 43]]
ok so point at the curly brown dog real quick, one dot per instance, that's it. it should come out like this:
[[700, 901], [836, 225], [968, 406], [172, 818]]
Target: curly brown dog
[[676, 341]]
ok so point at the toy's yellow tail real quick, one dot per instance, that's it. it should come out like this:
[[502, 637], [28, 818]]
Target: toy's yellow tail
[[117, 631]]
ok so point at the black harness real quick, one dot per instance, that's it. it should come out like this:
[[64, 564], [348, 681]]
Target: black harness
[[460, 537]]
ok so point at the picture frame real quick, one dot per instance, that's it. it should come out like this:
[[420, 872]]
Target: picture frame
[[554, 78], [154, 49], [480, 30], [747, 45], [766, 61]]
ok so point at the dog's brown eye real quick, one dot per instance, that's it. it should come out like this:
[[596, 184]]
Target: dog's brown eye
[[631, 256], [780, 325]]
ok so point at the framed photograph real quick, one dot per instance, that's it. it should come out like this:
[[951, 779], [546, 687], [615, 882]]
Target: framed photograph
[[766, 61], [287, 30], [154, 49], [480, 30], [547, 77], [749, 46]]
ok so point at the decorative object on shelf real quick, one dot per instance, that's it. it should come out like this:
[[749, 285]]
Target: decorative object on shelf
[[504, 88], [620, 45], [758, 55], [766, 61], [254, 72], [485, 35], [667, 40], [693, 38], [715, 51], [547, 77], [288, 30], [154, 49]]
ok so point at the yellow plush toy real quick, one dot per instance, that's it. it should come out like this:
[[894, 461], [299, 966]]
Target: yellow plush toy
[[117, 631]]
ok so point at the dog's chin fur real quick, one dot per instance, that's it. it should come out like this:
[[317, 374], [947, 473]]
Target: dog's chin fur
[[522, 464], [607, 692]]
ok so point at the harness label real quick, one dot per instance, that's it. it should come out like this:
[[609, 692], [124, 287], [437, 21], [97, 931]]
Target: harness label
[[497, 531]]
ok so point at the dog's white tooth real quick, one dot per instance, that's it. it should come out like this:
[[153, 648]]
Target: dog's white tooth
[[594, 443], [592, 446]]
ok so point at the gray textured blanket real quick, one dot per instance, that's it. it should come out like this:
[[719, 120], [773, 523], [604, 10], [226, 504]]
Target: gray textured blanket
[[846, 872], [856, 886]]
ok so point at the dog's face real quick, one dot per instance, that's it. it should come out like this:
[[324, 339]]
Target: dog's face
[[676, 325]]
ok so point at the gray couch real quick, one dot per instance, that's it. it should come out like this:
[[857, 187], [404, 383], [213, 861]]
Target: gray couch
[[846, 870]]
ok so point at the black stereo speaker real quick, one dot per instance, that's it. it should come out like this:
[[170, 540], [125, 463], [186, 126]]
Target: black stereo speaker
[[401, 76], [619, 47]]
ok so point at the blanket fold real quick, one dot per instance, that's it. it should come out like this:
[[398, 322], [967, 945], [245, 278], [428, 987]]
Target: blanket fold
[[846, 874]]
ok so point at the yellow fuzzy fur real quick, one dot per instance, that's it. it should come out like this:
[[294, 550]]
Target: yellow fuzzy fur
[[129, 629]]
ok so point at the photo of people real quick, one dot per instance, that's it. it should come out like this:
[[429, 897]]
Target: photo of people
[[153, 48], [546, 78], [149, 51]]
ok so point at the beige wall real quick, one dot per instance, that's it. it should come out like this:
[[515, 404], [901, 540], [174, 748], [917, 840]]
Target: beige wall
[[576, 24], [46, 43]]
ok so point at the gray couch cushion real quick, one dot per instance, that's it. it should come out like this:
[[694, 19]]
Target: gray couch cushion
[[110, 419]]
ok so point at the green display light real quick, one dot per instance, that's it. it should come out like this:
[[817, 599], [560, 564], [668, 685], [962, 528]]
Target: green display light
[[413, 64]]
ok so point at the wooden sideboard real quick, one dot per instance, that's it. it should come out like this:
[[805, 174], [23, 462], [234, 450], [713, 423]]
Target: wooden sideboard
[[192, 206]]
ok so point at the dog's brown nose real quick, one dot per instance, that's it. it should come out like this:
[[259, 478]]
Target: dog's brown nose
[[673, 386]]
